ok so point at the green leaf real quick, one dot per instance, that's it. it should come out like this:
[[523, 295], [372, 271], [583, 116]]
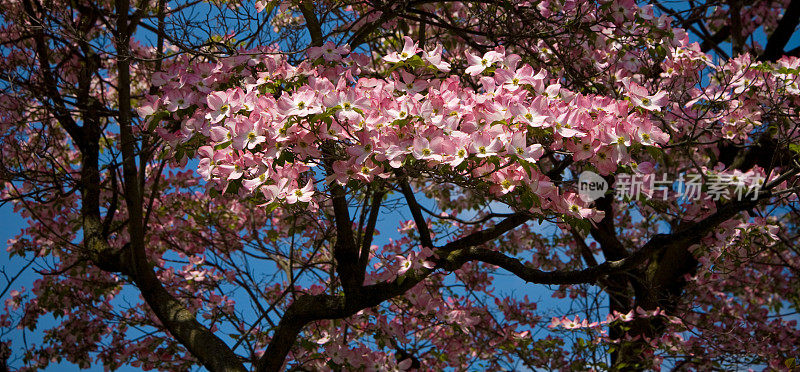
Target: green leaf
[[155, 119], [790, 363], [526, 166], [415, 61], [180, 153], [527, 200], [233, 187], [271, 207], [655, 152], [285, 157], [578, 223], [222, 145]]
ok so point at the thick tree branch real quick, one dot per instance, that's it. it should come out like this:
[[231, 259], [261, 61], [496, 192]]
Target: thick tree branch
[[604, 232], [737, 39], [369, 231], [713, 41], [780, 37], [536, 276], [344, 250], [416, 212], [312, 23], [486, 235], [180, 322]]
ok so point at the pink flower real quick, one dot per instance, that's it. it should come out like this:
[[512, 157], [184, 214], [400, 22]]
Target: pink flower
[[219, 105], [421, 259], [575, 207], [627, 317], [531, 118], [405, 265], [455, 149], [644, 167], [301, 195], [350, 105], [411, 85], [14, 300], [180, 102], [232, 171], [427, 150], [513, 79], [323, 339], [564, 128], [410, 49], [518, 146], [261, 5], [275, 191], [254, 183], [572, 324], [605, 161], [477, 64], [552, 90], [415, 260], [301, 103], [639, 97], [584, 149], [247, 134], [434, 57], [484, 145], [506, 181], [329, 52], [195, 275]]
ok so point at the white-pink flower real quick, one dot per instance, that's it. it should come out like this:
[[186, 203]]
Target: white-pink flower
[[519, 147], [219, 105], [302, 103], [434, 57], [410, 49], [639, 96], [484, 145], [405, 264], [329, 52], [478, 64], [301, 195]]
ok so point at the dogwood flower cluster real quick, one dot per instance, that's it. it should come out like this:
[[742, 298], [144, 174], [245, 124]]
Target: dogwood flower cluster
[[275, 129]]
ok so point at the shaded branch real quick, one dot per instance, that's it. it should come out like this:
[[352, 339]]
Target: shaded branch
[[369, 231], [312, 23], [344, 250], [416, 212], [780, 37]]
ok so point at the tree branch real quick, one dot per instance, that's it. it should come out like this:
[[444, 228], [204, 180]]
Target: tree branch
[[51, 88], [413, 206], [780, 37], [344, 250], [312, 23], [369, 230], [180, 322], [483, 236]]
